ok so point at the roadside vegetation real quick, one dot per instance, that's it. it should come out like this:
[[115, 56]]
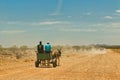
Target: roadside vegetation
[[24, 51]]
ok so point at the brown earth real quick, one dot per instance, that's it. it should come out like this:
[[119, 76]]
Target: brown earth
[[73, 66]]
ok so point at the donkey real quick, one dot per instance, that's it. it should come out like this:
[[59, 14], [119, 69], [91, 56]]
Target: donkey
[[57, 54]]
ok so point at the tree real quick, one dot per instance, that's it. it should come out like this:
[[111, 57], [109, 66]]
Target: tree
[[23, 48], [13, 48], [76, 48], [1, 48]]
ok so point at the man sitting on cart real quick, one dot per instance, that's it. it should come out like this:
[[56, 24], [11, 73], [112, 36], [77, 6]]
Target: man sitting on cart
[[48, 51], [48, 48], [40, 47]]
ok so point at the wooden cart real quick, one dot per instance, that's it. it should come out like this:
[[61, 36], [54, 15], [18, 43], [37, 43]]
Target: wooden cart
[[43, 57]]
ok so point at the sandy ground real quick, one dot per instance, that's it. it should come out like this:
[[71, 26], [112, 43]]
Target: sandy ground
[[73, 66]]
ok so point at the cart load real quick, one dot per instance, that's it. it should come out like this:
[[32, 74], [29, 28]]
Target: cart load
[[45, 59]]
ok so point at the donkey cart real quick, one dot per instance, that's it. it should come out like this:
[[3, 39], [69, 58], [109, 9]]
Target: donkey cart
[[44, 59]]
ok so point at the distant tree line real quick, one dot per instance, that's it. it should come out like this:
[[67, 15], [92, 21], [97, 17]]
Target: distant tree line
[[110, 46], [96, 46]]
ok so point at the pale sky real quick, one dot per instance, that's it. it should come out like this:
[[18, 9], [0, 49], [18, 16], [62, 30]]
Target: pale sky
[[61, 22]]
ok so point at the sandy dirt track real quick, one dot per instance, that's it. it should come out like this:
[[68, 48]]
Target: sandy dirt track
[[73, 67]]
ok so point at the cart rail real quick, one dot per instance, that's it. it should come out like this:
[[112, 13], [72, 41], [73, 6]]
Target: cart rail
[[43, 56]]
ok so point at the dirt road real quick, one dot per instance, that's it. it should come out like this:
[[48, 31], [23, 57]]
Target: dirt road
[[73, 67]]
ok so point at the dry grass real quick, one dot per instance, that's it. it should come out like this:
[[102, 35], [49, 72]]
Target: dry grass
[[75, 65], [116, 50]]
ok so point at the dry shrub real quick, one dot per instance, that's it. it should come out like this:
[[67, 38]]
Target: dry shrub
[[18, 55], [28, 60], [116, 50]]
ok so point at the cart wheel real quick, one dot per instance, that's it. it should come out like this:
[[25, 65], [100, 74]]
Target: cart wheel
[[54, 62], [36, 63]]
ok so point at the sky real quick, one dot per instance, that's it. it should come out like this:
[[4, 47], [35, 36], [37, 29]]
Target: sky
[[61, 22]]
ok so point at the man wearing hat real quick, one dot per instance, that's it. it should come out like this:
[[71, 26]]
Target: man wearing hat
[[48, 48], [48, 51]]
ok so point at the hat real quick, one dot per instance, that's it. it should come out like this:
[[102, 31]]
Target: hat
[[48, 42]]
